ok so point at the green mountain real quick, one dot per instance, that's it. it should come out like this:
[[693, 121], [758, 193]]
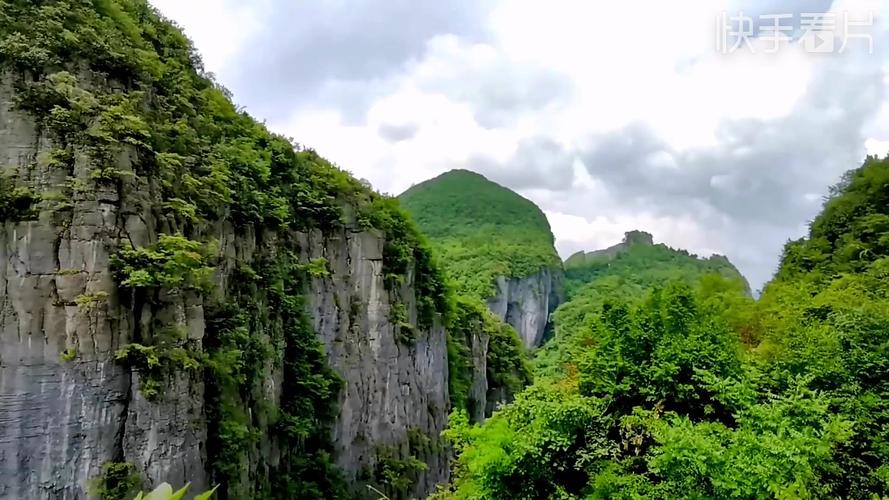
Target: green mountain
[[641, 263], [851, 233], [626, 271], [482, 229], [665, 379]]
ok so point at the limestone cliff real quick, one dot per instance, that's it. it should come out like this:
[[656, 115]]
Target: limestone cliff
[[187, 297], [63, 419], [526, 303]]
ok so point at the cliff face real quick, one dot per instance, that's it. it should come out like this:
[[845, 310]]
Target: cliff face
[[63, 419], [392, 392], [478, 389], [526, 303], [68, 406]]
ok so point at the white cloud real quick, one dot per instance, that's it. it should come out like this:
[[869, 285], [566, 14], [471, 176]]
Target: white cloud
[[218, 28], [877, 147]]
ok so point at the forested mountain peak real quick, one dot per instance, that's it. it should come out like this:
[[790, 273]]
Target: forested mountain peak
[[634, 237], [638, 260], [483, 230], [851, 233], [457, 201]]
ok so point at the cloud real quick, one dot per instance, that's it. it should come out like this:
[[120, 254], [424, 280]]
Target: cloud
[[761, 181], [398, 133], [760, 170], [538, 163], [495, 85], [341, 54]]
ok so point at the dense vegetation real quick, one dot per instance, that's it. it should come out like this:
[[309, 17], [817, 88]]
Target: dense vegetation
[[482, 230], [638, 262], [120, 97], [507, 367], [623, 272], [678, 390]]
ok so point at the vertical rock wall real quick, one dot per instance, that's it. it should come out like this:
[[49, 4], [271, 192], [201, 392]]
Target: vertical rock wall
[[525, 303], [67, 407], [393, 391]]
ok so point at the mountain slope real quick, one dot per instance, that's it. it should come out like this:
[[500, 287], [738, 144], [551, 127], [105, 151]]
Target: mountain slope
[[497, 248], [626, 271], [484, 230], [638, 260]]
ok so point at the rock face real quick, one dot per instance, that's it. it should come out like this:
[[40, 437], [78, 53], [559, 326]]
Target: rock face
[[478, 391], [526, 303], [392, 391], [67, 407]]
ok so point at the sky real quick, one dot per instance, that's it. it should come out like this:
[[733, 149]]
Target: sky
[[716, 125]]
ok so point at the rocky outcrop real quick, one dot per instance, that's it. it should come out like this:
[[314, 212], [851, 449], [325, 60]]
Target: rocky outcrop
[[68, 406], [631, 238], [526, 303]]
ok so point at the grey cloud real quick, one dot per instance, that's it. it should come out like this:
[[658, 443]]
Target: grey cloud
[[763, 181], [328, 51], [398, 133], [538, 163], [499, 91], [761, 170]]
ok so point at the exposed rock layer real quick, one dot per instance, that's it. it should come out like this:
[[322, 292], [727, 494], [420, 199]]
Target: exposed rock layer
[[526, 303], [67, 407]]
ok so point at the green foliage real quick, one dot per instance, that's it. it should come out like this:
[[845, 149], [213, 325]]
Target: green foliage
[[482, 230], [507, 361], [641, 265], [627, 275], [662, 354], [174, 262], [264, 326], [850, 234], [405, 331], [119, 481], [467, 321], [533, 448], [394, 474], [317, 268], [90, 301], [156, 363], [16, 203], [783, 447], [165, 492], [694, 390], [406, 253], [669, 407], [69, 354]]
